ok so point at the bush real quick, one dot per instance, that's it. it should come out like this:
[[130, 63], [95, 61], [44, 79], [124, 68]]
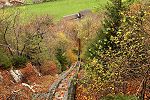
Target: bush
[[19, 61], [120, 97], [111, 25], [62, 59], [5, 61]]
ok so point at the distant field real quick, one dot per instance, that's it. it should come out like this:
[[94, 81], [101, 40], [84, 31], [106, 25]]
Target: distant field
[[60, 8]]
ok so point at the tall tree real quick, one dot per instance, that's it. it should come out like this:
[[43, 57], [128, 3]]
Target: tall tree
[[111, 24]]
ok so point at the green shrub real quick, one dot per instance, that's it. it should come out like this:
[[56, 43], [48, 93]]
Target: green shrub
[[62, 59], [111, 26], [19, 61], [5, 61], [120, 97]]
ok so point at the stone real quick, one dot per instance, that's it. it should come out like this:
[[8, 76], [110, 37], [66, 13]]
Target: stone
[[30, 87], [17, 75], [1, 78], [37, 1], [85, 12], [71, 17]]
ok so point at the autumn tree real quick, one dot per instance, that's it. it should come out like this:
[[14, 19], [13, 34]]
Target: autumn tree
[[121, 49], [23, 42]]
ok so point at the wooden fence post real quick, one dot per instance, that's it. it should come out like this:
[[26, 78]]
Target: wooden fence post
[[79, 49]]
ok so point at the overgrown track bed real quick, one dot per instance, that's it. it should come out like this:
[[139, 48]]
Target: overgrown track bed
[[63, 88]]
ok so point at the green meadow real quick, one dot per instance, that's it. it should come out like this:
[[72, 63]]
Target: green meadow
[[60, 8]]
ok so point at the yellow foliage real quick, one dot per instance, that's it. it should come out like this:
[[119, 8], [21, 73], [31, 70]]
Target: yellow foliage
[[62, 36], [71, 55]]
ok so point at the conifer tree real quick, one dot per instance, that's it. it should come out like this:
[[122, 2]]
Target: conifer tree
[[111, 24]]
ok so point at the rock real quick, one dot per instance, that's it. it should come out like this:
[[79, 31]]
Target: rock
[[30, 87], [1, 78], [71, 17], [17, 75], [79, 15], [85, 12], [37, 1]]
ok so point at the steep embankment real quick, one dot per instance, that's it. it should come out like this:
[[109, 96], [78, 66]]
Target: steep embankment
[[30, 83]]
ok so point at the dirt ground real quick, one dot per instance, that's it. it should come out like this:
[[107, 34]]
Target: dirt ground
[[37, 83]]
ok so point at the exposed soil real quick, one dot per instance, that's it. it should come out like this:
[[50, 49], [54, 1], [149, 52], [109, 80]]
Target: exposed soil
[[31, 78]]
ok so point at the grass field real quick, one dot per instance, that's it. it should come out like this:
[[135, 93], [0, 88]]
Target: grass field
[[58, 9]]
